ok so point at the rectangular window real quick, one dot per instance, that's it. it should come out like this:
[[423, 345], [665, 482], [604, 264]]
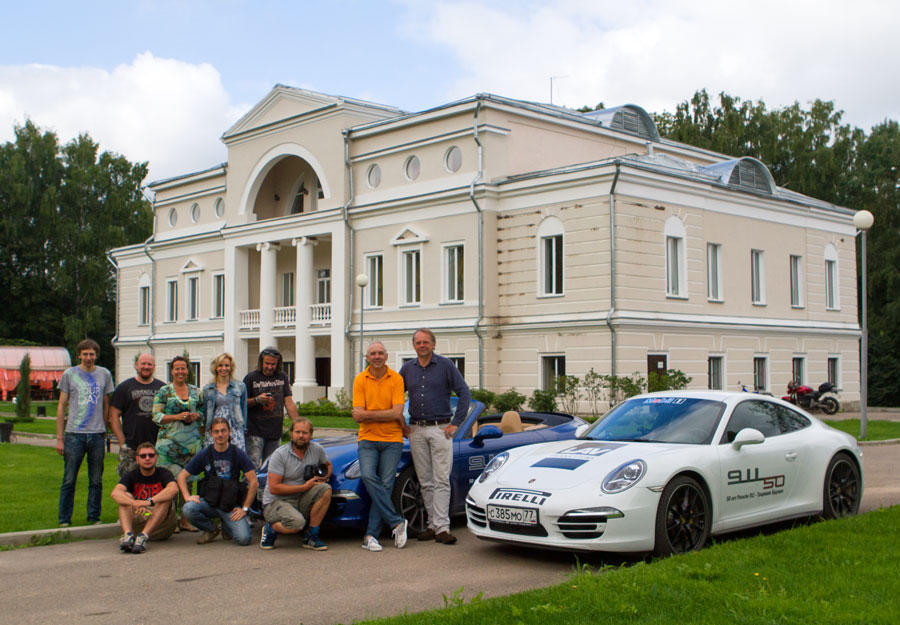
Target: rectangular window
[[796, 281], [454, 271], [714, 367], [375, 271], [798, 369], [144, 314], [288, 367], [323, 286], [219, 295], [551, 368], [674, 253], [757, 277], [412, 277], [831, 285], [193, 298], [287, 288], [834, 370], [714, 272], [172, 300], [760, 373], [195, 372], [552, 264], [460, 363]]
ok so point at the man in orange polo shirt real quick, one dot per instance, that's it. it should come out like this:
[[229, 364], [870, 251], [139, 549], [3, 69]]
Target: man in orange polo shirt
[[378, 408]]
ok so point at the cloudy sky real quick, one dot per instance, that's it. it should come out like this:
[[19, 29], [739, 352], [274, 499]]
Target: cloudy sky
[[160, 80]]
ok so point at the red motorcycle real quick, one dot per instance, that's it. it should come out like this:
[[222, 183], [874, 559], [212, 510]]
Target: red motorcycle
[[808, 399]]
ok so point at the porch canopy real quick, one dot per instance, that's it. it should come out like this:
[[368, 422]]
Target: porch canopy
[[47, 366]]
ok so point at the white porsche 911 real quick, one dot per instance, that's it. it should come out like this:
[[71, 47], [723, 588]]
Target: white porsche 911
[[662, 472]]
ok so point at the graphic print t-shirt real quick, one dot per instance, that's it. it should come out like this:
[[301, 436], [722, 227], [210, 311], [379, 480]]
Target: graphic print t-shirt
[[86, 392], [221, 461], [135, 400], [267, 421], [145, 486]]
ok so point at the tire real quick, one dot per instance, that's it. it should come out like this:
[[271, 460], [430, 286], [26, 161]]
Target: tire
[[829, 405], [407, 498], [841, 492], [682, 519]]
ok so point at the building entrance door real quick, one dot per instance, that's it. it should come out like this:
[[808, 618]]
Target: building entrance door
[[657, 363]]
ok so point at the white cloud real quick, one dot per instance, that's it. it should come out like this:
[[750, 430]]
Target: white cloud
[[164, 111], [656, 53]]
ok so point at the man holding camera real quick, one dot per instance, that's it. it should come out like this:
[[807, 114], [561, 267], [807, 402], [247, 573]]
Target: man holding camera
[[297, 493], [268, 396], [222, 494]]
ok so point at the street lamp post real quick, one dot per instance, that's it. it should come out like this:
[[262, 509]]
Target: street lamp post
[[863, 220], [362, 281]]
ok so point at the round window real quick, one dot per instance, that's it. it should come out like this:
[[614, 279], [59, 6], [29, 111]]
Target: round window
[[173, 217], [453, 159], [220, 208], [195, 212], [413, 167], [374, 176]]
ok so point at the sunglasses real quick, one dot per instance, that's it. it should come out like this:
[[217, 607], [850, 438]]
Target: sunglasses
[[148, 455]]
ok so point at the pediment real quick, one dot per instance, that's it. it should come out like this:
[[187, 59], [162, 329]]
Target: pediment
[[409, 235], [279, 104], [191, 265]]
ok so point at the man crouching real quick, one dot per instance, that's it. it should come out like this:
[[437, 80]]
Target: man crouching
[[297, 489], [222, 494], [145, 497]]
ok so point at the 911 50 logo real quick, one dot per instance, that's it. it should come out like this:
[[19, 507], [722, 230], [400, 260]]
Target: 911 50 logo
[[749, 476]]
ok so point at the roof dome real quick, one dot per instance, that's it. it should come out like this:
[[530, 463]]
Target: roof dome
[[628, 118]]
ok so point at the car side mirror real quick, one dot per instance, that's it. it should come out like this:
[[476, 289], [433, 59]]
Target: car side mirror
[[581, 429], [748, 436], [485, 432]]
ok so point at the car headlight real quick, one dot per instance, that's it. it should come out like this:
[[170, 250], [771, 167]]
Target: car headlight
[[493, 466], [352, 472], [624, 477]]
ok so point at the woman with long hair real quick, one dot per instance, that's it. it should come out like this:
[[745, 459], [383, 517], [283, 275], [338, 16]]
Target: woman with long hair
[[225, 397], [176, 408]]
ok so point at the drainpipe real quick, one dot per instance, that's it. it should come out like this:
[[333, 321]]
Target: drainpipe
[[352, 237], [480, 237], [116, 267], [149, 340], [612, 271]]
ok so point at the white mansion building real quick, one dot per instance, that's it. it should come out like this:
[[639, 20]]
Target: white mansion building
[[534, 240]]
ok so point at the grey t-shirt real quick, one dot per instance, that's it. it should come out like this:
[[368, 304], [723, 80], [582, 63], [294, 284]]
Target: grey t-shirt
[[86, 392], [285, 462]]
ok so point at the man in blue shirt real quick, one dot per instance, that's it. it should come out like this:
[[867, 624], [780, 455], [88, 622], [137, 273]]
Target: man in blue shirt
[[429, 379]]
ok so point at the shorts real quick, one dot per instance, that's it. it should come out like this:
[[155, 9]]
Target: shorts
[[292, 513], [163, 530]]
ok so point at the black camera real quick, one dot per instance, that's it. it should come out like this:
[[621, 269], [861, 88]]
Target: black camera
[[311, 471]]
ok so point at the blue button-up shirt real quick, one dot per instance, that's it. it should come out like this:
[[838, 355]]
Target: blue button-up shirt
[[430, 386]]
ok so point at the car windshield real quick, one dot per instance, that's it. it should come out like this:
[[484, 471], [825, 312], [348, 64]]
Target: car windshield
[[660, 420]]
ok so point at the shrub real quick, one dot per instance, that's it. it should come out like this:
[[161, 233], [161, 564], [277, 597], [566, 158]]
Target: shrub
[[321, 407], [485, 396], [567, 391], [510, 400], [671, 380], [543, 401], [23, 390]]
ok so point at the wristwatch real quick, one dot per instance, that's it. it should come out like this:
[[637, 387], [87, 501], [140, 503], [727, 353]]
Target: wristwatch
[[245, 509], [150, 499]]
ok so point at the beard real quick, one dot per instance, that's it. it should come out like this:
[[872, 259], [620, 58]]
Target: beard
[[300, 446]]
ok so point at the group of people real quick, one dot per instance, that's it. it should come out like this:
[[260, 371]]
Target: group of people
[[171, 434]]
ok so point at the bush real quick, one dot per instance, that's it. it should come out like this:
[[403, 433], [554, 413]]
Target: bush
[[543, 401], [510, 400], [23, 390], [671, 380], [342, 399], [322, 407], [485, 396]]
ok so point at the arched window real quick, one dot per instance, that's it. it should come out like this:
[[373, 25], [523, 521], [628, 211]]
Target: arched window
[[676, 274], [550, 252]]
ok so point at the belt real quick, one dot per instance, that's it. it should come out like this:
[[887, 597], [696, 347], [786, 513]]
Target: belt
[[429, 421]]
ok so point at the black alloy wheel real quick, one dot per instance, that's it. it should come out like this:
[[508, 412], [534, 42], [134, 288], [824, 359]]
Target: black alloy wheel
[[407, 498], [842, 491], [683, 518]]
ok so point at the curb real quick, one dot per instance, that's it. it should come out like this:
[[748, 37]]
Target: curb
[[888, 441], [107, 530]]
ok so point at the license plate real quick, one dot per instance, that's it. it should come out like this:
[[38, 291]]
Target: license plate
[[509, 514]]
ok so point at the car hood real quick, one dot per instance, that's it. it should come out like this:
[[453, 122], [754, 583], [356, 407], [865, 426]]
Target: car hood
[[568, 464]]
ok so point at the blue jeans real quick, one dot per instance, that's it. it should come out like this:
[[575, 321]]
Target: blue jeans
[[201, 515], [76, 447], [378, 462]]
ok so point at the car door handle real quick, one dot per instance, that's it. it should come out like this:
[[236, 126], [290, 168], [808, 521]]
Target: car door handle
[[790, 456]]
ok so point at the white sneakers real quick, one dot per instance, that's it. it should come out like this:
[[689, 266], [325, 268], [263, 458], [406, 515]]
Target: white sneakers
[[400, 534], [370, 544]]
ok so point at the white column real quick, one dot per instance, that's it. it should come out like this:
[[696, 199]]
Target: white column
[[268, 281], [340, 282], [236, 299], [305, 349]]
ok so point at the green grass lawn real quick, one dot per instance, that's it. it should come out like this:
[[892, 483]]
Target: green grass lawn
[[875, 430], [38, 426], [8, 409], [31, 480], [840, 572]]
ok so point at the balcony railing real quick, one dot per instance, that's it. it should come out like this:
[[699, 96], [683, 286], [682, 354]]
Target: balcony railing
[[286, 317]]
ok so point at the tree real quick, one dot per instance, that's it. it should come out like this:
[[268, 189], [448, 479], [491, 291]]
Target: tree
[[23, 390], [63, 207]]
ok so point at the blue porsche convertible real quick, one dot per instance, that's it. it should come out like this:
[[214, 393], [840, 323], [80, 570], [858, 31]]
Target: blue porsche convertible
[[479, 439]]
